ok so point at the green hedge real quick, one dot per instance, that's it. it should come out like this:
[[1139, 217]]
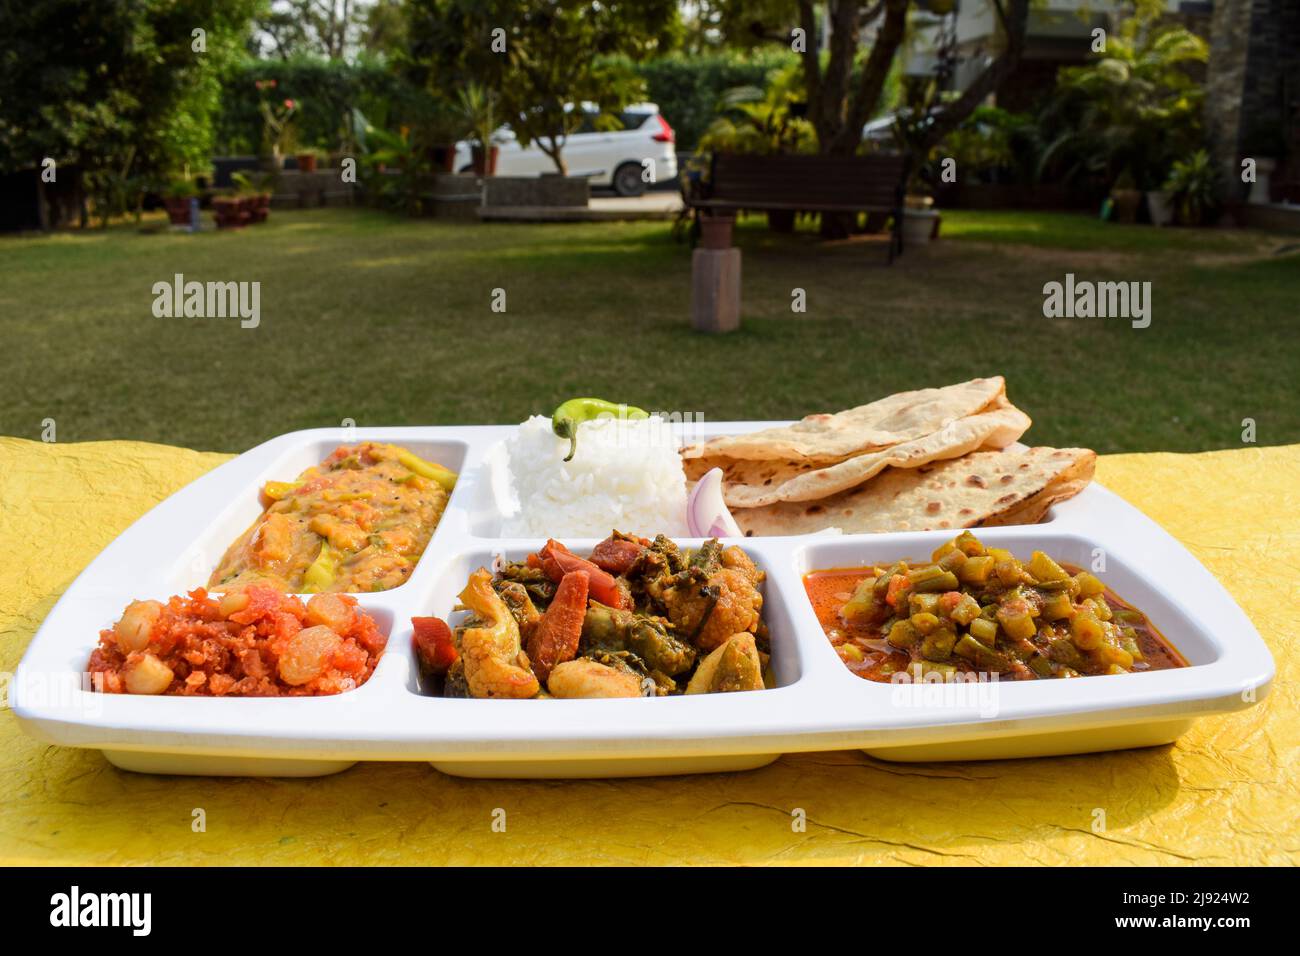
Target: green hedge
[[326, 92], [687, 88]]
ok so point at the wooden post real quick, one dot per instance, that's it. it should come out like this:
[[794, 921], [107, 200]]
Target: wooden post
[[715, 290]]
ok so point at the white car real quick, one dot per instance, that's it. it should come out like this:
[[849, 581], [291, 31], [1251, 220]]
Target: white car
[[615, 158]]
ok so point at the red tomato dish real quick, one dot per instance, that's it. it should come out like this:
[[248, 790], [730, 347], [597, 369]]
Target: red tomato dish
[[257, 642]]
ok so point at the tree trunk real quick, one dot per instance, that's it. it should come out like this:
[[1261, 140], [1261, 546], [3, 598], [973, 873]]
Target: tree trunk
[[1013, 16], [872, 81], [556, 153], [836, 112]]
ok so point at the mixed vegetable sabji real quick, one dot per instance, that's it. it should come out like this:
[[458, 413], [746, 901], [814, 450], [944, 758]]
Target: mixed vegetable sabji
[[976, 608], [637, 618]]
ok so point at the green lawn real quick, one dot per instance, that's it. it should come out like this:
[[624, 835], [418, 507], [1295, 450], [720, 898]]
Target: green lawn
[[389, 321]]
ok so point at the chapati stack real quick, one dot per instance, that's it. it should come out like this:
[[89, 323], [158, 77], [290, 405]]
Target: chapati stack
[[933, 458]]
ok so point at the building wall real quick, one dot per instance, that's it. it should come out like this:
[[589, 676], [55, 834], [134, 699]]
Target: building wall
[[1252, 102]]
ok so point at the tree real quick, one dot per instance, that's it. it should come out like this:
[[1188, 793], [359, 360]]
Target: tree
[[127, 92], [842, 81], [384, 29], [332, 29], [543, 58], [1135, 110]]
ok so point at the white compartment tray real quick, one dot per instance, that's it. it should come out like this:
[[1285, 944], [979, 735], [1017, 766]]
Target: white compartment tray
[[817, 705]]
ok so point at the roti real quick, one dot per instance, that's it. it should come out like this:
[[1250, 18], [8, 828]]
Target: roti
[[824, 438], [753, 484], [1010, 486]]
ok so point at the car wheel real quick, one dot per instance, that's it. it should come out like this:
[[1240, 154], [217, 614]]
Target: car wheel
[[628, 181]]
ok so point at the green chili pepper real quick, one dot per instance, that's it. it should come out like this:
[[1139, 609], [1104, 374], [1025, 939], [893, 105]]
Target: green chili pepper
[[575, 411]]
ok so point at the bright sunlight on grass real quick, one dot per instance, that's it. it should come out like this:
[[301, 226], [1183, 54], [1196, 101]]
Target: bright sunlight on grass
[[388, 321]]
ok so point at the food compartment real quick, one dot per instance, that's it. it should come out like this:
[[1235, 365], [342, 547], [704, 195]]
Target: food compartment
[[449, 579], [1142, 593], [312, 666], [201, 557]]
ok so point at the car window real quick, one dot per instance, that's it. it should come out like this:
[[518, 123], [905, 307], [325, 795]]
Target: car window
[[633, 120]]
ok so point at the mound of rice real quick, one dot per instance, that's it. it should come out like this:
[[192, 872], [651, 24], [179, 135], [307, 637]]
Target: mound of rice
[[626, 474]]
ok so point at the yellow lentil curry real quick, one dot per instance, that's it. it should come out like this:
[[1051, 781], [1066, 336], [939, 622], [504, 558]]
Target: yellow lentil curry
[[358, 521]]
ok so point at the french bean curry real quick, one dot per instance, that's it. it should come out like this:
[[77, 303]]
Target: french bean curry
[[637, 618], [973, 608]]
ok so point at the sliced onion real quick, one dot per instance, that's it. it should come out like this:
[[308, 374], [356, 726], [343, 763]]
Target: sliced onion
[[706, 512]]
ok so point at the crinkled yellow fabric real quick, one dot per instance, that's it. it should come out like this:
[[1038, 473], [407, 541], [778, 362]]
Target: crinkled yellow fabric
[[1225, 794]]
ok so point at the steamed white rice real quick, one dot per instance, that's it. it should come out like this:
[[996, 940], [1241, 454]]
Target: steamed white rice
[[626, 474]]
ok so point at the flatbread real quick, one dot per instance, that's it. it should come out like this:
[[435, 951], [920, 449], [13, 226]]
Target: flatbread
[[888, 421], [1012, 486], [752, 484]]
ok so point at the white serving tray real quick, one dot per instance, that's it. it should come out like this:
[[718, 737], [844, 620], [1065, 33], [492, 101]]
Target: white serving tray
[[817, 705]]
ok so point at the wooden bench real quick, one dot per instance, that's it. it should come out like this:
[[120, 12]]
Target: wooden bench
[[806, 183]]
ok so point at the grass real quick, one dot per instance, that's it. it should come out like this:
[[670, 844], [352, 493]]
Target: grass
[[389, 321]]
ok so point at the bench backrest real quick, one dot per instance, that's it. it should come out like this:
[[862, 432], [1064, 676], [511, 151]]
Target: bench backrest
[[859, 182]]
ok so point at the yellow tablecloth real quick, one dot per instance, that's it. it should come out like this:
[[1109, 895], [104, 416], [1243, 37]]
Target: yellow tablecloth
[[1225, 794]]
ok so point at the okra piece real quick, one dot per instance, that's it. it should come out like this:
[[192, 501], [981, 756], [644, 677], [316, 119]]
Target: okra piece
[[924, 622], [862, 603], [903, 635], [1058, 607], [1017, 623], [984, 630], [969, 544], [953, 560], [976, 570], [1099, 607], [1086, 631], [925, 603], [938, 644], [1064, 652], [943, 549], [1045, 569], [933, 578], [882, 582], [1089, 586], [978, 654], [1040, 665], [1007, 572], [966, 610]]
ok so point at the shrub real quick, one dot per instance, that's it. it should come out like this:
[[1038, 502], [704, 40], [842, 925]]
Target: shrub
[[326, 93], [689, 90]]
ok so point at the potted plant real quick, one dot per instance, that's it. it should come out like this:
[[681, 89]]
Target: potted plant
[[1193, 187], [177, 199], [1126, 197], [278, 134], [254, 193], [763, 121], [440, 132], [920, 218], [1160, 206], [229, 212], [478, 110], [309, 159]]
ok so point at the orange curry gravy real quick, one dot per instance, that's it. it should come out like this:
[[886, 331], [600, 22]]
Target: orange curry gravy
[[828, 591]]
